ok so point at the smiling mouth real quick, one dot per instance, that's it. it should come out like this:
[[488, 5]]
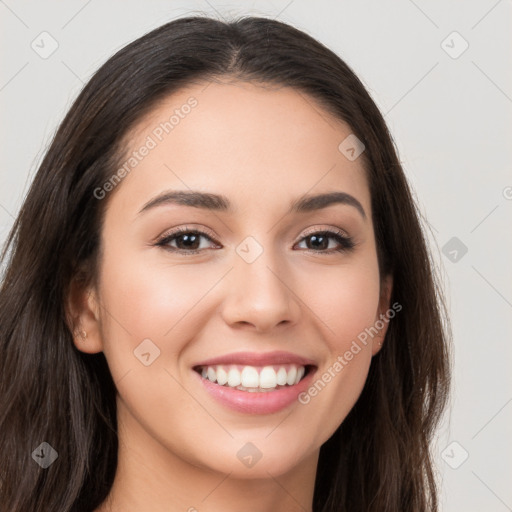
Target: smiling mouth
[[254, 379]]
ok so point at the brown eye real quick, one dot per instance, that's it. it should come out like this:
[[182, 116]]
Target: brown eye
[[184, 240], [320, 242], [189, 241]]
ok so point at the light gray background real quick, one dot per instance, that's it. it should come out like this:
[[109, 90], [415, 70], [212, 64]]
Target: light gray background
[[451, 119]]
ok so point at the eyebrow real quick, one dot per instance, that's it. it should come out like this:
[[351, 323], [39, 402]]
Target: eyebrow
[[220, 203]]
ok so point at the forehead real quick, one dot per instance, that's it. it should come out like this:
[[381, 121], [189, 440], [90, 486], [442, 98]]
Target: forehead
[[255, 143]]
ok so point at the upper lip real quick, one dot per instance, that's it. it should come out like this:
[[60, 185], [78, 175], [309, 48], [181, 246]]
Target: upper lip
[[258, 359]]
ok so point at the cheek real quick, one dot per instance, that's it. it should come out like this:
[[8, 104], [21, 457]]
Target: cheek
[[346, 301], [347, 304], [163, 303], [170, 304], [150, 314]]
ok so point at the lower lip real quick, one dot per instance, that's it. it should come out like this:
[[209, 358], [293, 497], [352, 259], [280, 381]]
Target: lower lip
[[248, 402]]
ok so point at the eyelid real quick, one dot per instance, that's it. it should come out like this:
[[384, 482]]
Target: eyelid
[[203, 230], [207, 233], [213, 236], [346, 242], [318, 229]]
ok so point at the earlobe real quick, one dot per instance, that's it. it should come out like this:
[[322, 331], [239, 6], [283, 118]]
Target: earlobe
[[382, 319], [83, 315], [378, 341]]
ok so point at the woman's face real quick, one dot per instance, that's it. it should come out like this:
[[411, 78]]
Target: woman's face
[[265, 295]]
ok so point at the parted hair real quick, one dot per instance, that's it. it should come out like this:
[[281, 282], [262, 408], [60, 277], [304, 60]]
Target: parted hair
[[379, 459]]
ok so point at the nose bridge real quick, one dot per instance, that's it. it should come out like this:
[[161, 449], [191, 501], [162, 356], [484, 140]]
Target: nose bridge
[[258, 291]]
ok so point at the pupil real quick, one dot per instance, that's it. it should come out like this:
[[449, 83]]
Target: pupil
[[189, 240], [319, 240]]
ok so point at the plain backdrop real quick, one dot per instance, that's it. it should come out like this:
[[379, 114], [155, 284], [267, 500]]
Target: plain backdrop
[[439, 71]]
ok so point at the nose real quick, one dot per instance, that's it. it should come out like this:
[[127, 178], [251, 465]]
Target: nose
[[259, 296]]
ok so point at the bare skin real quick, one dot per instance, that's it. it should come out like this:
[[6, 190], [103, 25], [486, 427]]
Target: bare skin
[[262, 148]]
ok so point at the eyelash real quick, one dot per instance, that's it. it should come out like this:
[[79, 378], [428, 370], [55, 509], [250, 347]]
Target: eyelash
[[346, 243]]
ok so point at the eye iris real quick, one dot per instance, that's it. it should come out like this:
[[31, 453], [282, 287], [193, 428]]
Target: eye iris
[[318, 241], [190, 240]]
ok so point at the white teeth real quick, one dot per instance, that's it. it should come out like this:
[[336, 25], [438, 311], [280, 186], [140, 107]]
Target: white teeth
[[292, 374], [211, 374], [234, 378], [300, 374], [222, 376], [252, 378], [249, 377], [281, 376], [268, 378]]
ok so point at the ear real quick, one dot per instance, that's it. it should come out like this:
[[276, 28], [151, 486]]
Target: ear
[[382, 319], [83, 317]]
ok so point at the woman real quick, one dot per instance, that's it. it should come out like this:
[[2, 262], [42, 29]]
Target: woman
[[218, 295]]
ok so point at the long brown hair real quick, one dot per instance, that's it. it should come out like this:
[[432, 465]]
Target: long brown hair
[[379, 458]]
